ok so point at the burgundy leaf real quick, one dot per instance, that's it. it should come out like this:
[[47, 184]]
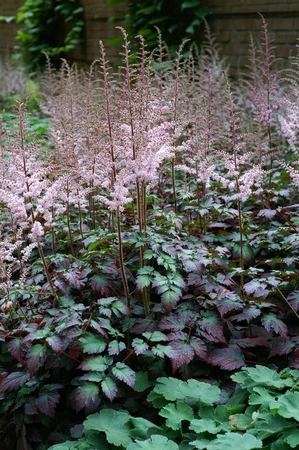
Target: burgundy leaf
[[14, 381], [211, 328], [47, 402], [15, 348], [101, 284], [271, 322], [31, 408], [56, 343], [253, 342], [182, 353], [248, 314], [97, 326], [228, 303], [281, 347], [76, 278], [177, 335], [172, 322], [36, 356], [293, 299], [199, 347], [229, 358], [85, 396]]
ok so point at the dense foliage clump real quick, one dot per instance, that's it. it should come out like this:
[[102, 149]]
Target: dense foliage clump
[[149, 240]]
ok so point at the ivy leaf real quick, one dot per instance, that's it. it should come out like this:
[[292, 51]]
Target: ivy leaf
[[91, 343], [176, 413], [288, 405], [229, 358], [36, 356], [155, 442], [271, 322], [115, 424], [109, 388], [124, 373], [115, 347], [14, 381], [47, 402], [85, 396]]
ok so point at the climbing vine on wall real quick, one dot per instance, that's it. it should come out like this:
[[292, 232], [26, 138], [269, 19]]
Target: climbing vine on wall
[[54, 27], [176, 19]]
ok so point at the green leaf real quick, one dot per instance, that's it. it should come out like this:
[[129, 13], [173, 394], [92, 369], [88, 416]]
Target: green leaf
[[288, 405], [97, 364], [175, 414], [145, 276], [190, 4], [115, 424], [124, 373], [91, 343], [115, 347], [141, 382], [192, 391], [293, 439], [141, 427], [109, 388], [139, 346], [155, 442], [251, 377], [228, 441], [240, 421], [207, 426]]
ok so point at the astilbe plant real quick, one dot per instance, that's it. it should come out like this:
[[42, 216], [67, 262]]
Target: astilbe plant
[[140, 239]]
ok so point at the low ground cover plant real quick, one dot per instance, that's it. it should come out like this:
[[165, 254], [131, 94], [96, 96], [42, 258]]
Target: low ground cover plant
[[149, 235]]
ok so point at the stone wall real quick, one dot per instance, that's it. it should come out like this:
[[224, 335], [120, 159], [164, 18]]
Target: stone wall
[[8, 30], [232, 22]]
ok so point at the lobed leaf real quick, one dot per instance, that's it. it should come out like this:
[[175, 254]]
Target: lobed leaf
[[176, 413], [155, 442], [115, 424]]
